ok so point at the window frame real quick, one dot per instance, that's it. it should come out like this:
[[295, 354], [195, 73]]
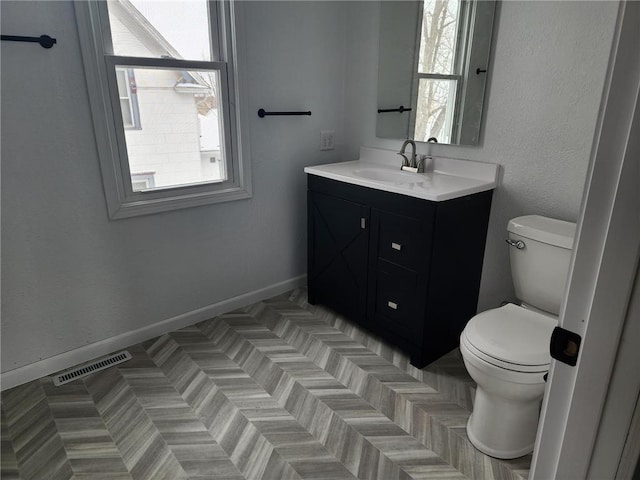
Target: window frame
[[100, 68]]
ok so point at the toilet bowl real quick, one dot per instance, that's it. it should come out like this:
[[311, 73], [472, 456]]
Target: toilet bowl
[[506, 349], [504, 352]]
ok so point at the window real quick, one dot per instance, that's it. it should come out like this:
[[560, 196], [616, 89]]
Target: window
[[143, 180], [127, 94], [439, 66], [163, 94]]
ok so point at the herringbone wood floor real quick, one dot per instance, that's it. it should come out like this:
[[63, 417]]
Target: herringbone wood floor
[[278, 390]]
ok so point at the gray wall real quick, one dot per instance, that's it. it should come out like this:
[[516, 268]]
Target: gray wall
[[70, 276], [544, 90]]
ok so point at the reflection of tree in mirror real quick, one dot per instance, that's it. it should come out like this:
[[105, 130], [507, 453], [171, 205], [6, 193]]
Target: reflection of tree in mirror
[[438, 36], [436, 96]]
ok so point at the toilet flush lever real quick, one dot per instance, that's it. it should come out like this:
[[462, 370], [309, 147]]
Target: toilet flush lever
[[518, 244]]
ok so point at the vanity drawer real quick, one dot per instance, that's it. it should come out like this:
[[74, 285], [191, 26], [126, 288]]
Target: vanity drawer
[[402, 240], [399, 300]]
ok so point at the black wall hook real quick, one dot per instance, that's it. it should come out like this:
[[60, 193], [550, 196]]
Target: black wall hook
[[45, 41]]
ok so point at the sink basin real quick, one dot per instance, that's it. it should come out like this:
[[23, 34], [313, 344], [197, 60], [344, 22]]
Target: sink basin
[[444, 178], [384, 175]]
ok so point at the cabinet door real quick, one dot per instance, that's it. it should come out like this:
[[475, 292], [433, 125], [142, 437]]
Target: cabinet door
[[338, 253]]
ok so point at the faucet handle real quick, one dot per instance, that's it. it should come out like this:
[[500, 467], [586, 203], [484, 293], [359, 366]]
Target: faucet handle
[[405, 160], [424, 162]]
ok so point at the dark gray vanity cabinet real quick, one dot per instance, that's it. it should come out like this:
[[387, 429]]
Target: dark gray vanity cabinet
[[405, 268]]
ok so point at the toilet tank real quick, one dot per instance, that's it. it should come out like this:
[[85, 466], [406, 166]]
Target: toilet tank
[[539, 268]]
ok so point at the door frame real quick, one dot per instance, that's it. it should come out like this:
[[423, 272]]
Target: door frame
[[602, 272]]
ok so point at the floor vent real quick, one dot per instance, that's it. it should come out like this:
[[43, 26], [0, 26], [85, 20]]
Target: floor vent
[[93, 367]]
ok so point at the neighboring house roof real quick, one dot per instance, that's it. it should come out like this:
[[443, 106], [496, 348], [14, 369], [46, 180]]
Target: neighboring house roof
[[137, 23]]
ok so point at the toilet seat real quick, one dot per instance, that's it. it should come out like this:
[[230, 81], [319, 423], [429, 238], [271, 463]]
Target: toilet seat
[[510, 337], [507, 371]]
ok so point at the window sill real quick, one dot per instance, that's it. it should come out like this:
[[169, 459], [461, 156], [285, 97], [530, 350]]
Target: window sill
[[136, 207]]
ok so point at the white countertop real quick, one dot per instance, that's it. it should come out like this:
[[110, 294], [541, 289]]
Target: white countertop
[[444, 178]]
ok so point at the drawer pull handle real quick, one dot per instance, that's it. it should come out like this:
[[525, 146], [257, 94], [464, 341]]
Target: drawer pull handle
[[396, 246], [393, 305]]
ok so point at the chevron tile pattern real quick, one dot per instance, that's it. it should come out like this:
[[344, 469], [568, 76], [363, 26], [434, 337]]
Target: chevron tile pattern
[[8, 462], [278, 390], [34, 436]]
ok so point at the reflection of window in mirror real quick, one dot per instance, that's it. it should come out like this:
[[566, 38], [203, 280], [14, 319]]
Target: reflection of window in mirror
[[439, 71], [433, 57]]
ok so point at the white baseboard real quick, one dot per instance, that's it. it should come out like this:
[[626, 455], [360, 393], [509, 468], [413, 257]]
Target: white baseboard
[[33, 371]]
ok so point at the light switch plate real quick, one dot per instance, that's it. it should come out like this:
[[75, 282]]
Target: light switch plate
[[326, 139]]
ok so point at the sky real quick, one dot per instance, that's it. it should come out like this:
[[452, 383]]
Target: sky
[[183, 23]]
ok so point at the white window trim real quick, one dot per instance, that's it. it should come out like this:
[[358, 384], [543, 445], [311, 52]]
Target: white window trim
[[122, 201]]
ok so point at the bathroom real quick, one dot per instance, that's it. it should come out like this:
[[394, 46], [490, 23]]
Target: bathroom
[[75, 281]]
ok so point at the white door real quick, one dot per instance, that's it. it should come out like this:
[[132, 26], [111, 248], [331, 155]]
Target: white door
[[601, 277]]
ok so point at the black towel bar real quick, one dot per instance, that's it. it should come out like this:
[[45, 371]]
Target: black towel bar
[[262, 113], [401, 109], [45, 41]]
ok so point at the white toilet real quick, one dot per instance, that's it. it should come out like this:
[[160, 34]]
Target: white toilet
[[506, 350]]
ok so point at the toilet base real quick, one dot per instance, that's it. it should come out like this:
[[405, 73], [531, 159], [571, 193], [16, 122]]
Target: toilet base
[[501, 454], [503, 428]]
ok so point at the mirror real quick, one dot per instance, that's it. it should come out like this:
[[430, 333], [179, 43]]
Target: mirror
[[432, 70]]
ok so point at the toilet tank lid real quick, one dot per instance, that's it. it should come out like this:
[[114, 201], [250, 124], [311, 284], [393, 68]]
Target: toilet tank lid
[[544, 229]]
